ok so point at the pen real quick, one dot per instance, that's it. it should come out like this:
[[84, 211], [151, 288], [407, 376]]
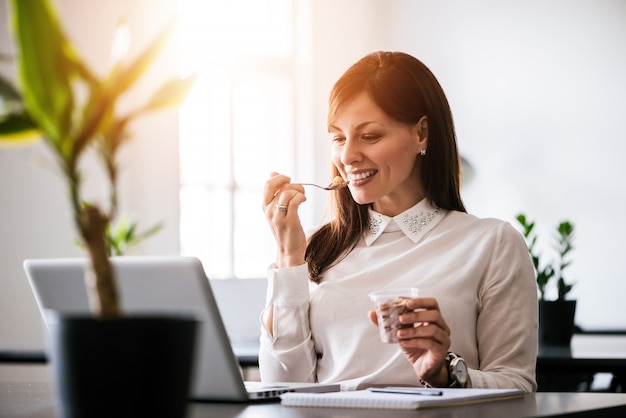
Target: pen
[[407, 391]]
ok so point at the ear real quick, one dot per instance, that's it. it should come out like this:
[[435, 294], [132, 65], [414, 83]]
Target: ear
[[421, 130]]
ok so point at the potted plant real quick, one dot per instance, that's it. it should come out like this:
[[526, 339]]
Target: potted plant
[[556, 317], [57, 97]]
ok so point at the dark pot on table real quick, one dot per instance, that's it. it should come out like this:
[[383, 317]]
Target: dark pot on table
[[556, 322], [124, 367]]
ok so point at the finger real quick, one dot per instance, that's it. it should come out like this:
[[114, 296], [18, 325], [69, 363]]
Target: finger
[[273, 186], [276, 185], [421, 315], [373, 317], [284, 208], [281, 208], [425, 310], [422, 303], [289, 201], [424, 337]]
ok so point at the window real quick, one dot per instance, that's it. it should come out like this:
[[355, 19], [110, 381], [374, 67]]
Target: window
[[237, 125]]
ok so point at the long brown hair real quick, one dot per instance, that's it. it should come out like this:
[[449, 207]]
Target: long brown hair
[[406, 90]]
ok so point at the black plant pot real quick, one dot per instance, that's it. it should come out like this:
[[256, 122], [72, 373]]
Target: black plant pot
[[556, 322], [127, 367]]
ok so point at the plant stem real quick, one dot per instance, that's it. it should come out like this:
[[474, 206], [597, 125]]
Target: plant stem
[[100, 282], [101, 289]]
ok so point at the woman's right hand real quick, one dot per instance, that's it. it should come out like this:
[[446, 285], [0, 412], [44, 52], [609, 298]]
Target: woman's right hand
[[425, 343], [281, 200]]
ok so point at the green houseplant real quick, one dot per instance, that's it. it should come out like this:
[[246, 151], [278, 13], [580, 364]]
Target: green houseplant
[[556, 317], [46, 103], [58, 98]]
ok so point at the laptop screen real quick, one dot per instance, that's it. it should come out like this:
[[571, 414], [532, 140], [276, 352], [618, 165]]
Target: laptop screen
[[148, 284]]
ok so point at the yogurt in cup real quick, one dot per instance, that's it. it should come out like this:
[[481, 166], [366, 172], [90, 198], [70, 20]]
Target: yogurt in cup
[[390, 304]]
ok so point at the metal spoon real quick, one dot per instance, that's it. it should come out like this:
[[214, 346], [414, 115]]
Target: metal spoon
[[331, 186]]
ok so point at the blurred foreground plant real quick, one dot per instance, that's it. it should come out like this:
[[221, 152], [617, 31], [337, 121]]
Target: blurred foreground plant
[[58, 98]]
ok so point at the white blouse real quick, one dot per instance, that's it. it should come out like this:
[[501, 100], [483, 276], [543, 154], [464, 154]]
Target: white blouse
[[479, 270]]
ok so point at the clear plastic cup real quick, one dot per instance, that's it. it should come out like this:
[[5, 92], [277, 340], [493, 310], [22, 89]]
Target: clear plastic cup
[[390, 304]]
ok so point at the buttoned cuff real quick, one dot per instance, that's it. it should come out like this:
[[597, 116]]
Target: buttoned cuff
[[288, 286]]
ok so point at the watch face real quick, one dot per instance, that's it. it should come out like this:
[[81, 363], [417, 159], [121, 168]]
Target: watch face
[[457, 370], [460, 371]]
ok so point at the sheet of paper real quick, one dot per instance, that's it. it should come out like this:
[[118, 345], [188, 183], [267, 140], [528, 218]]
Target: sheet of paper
[[368, 399]]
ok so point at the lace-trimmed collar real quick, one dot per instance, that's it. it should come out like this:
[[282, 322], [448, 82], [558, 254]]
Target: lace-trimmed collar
[[415, 222]]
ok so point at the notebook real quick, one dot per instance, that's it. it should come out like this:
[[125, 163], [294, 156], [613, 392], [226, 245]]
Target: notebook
[[163, 284], [398, 398]]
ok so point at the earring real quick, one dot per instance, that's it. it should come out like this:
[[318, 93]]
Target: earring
[[423, 152]]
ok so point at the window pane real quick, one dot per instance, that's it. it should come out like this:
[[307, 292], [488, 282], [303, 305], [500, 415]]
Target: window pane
[[236, 126], [206, 219], [205, 132], [255, 249], [236, 27], [263, 128]]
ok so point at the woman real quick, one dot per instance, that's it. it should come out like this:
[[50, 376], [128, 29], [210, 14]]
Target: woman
[[399, 223]]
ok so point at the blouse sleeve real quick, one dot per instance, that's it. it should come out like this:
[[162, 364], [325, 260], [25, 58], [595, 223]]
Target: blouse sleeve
[[287, 354], [507, 320]]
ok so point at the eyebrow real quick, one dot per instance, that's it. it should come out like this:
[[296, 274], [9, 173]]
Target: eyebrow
[[358, 127]]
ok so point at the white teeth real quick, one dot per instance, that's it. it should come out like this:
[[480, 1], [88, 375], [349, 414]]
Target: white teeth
[[361, 176]]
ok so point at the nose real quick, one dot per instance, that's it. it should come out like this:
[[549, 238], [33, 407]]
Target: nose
[[350, 152]]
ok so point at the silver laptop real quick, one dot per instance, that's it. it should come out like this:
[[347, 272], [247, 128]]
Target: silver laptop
[[163, 284]]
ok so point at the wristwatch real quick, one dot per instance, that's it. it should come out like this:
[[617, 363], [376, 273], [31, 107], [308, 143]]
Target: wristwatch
[[457, 371]]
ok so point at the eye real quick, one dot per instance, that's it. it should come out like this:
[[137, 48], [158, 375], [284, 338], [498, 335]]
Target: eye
[[371, 137], [338, 139]]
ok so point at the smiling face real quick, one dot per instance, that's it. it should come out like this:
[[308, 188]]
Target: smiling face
[[379, 155]]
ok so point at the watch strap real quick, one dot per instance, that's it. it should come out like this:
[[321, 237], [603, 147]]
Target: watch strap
[[451, 360]]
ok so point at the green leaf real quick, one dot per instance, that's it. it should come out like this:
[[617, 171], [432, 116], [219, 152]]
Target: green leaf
[[565, 229], [46, 67], [97, 116], [122, 78], [130, 233], [114, 135], [563, 288], [172, 93], [148, 233], [123, 235], [8, 92], [18, 128]]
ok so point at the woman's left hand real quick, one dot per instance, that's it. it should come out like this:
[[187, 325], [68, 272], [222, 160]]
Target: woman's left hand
[[426, 344]]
